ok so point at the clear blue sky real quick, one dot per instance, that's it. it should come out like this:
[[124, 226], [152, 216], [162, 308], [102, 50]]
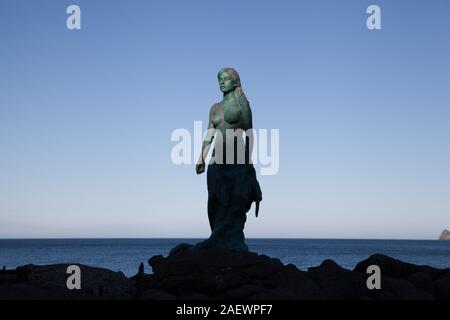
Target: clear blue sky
[[86, 115]]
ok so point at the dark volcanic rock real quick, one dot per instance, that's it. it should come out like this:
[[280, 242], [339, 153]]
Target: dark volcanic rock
[[297, 282], [339, 283], [401, 280], [442, 284], [399, 289], [222, 274], [237, 275], [204, 261], [218, 273], [394, 268], [49, 282]]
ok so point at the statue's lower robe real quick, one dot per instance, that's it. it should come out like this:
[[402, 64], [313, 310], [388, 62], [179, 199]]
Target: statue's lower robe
[[232, 188]]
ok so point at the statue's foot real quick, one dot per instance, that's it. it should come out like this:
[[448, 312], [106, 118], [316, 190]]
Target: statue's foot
[[226, 245], [210, 244], [179, 248]]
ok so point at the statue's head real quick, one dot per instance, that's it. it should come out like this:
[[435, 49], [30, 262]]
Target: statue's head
[[228, 80]]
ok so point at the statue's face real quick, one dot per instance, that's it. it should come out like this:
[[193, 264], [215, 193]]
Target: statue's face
[[226, 82]]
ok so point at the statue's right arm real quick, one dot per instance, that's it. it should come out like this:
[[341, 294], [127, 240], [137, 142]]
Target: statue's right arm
[[209, 137]]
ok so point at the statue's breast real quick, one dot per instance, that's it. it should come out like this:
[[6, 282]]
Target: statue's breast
[[232, 114], [217, 117]]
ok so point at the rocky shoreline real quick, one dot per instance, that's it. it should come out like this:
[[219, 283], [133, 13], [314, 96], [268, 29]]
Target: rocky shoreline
[[220, 274]]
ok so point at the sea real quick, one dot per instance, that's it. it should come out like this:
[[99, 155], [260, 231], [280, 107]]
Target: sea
[[125, 255]]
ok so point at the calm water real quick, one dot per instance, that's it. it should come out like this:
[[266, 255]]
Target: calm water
[[126, 254]]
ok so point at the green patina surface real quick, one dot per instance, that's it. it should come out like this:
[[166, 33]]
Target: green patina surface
[[232, 185]]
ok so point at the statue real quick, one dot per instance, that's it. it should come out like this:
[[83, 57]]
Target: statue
[[231, 177]]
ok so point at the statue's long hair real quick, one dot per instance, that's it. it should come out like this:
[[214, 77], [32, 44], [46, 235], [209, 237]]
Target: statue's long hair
[[239, 100], [238, 94]]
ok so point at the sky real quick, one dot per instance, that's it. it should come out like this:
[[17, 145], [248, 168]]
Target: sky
[[86, 115]]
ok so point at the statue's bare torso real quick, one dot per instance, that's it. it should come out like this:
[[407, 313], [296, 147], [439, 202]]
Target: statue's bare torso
[[230, 116], [226, 115]]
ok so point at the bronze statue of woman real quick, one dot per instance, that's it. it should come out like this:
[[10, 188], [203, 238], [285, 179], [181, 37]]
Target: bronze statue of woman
[[231, 177]]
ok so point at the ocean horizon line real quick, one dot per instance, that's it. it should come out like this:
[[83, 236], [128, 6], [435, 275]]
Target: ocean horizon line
[[200, 238]]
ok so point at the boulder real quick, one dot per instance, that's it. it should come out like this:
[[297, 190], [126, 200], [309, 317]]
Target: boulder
[[394, 268], [49, 282], [445, 235], [339, 283]]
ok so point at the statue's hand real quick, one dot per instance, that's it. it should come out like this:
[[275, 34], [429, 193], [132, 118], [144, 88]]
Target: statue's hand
[[200, 168]]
